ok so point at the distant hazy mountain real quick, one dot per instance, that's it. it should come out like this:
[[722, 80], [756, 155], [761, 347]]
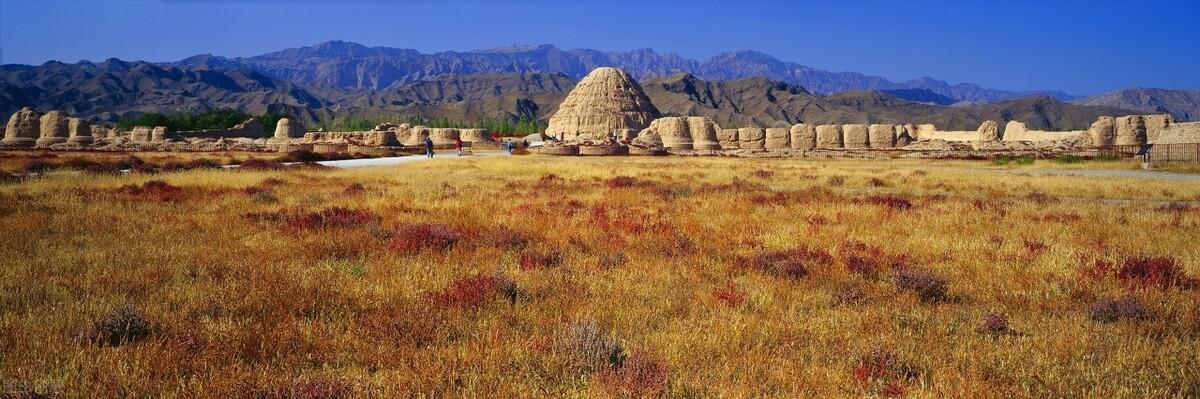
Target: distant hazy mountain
[[1184, 105], [347, 65], [350, 65]]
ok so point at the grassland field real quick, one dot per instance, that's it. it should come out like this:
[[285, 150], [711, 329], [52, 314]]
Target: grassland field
[[538, 276]]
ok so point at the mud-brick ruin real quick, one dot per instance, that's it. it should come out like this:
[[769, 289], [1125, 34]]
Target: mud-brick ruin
[[608, 114], [56, 130]]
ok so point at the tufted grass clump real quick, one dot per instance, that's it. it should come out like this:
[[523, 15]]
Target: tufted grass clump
[[297, 219], [1109, 310], [849, 293], [590, 348], [928, 287], [995, 323], [641, 375], [410, 237], [473, 292], [880, 371], [729, 295], [792, 263], [122, 325]]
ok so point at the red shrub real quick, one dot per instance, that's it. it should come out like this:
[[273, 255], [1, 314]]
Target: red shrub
[[763, 174], [302, 156], [272, 182], [326, 388], [35, 166], [414, 237], [863, 266], [996, 207], [995, 323], [769, 199], [308, 166], [505, 238], [548, 180], [882, 371], [531, 259], [256, 189], [1152, 271], [893, 390], [730, 295], [792, 263], [335, 217], [1175, 207], [621, 182], [1035, 248], [332, 217], [409, 322], [153, 189], [737, 186], [260, 164], [1055, 218], [610, 261], [890, 202], [641, 375], [1041, 198], [1099, 270], [354, 189], [620, 219], [474, 291]]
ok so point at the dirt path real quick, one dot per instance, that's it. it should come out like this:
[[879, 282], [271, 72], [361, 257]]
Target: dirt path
[[359, 163], [1135, 174]]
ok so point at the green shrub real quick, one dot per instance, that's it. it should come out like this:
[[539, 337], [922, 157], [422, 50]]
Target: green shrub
[[186, 121], [1068, 159]]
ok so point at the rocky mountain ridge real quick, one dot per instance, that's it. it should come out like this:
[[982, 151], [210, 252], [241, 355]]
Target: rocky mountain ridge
[[348, 65], [1184, 105], [105, 91]]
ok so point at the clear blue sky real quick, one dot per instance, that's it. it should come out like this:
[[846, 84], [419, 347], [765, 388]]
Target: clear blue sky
[[1081, 47]]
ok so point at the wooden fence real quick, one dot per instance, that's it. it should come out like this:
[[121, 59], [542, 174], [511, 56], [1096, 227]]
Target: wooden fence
[[1151, 153], [1163, 153]]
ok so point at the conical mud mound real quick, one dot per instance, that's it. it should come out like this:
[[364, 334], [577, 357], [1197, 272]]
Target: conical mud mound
[[605, 100]]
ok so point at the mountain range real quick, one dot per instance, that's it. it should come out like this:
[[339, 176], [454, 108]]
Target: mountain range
[[1184, 105], [350, 65], [736, 89]]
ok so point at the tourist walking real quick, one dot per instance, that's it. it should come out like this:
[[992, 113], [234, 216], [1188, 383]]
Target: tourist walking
[[458, 146], [429, 147]]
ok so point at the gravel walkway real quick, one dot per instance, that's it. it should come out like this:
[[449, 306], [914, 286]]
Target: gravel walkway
[[359, 163], [1136, 174]]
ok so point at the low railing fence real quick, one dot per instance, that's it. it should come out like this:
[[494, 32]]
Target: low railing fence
[[1183, 152]]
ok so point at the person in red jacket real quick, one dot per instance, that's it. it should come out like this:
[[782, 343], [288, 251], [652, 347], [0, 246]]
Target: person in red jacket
[[458, 146]]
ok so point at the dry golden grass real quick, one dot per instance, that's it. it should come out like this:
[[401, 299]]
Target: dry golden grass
[[578, 277], [14, 161]]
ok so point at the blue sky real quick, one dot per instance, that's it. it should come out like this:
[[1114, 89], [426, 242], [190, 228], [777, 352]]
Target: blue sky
[[1080, 47]]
